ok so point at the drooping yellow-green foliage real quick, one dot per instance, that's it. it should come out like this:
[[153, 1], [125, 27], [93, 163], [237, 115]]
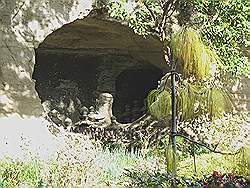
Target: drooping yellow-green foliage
[[186, 101], [195, 58], [217, 101], [169, 157], [193, 100], [159, 103], [200, 95]]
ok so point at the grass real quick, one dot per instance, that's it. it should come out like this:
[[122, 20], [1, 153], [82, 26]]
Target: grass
[[207, 163], [15, 173], [79, 162], [75, 166], [99, 168]]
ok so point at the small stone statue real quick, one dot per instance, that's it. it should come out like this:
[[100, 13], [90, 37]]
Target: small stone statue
[[68, 124], [94, 116], [54, 112], [61, 118], [104, 108], [101, 116], [54, 117], [91, 114], [84, 113]]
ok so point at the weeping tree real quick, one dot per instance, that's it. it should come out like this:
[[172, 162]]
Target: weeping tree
[[199, 91]]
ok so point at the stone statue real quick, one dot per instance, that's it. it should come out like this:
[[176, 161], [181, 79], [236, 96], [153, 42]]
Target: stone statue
[[57, 118], [84, 113], [91, 114], [61, 118], [101, 116], [68, 124], [54, 117], [104, 107]]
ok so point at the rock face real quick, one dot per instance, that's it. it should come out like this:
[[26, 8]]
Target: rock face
[[98, 55], [51, 51], [29, 33], [23, 26]]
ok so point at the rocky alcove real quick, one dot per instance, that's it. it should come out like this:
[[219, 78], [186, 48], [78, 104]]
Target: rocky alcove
[[87, 57]]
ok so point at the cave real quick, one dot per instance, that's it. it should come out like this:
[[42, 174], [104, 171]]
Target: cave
[[87, 57], [132, 87]]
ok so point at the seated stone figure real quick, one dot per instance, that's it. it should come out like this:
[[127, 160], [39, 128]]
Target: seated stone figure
[[68, 124], [104, 108], [54, 117], [101, 116], [57, 117]]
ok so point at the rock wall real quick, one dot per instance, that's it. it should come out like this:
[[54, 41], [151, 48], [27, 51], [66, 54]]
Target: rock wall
[[24, 24], [240, 91]]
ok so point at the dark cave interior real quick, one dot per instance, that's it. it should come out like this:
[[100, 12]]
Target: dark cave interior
[[70, 80]]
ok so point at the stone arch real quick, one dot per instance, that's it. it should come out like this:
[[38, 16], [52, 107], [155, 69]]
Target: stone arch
[[85, 58]]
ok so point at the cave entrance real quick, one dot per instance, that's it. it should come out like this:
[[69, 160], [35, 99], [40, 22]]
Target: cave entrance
[[77, 62], [66, 81], [63, 75], [132, 87]]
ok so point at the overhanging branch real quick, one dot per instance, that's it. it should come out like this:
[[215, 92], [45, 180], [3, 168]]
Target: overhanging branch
[[150, 11]]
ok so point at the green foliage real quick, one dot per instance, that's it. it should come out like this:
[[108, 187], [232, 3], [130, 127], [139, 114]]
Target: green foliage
[[117, 10], [224, 24], [199, 93], [218, 101], [227, 134], [135, 14], [159, 178], [195, 58], [114, 162], [16, 173], [73, 167], [193, 100], [143, 178], [170, 158], [208, 162], [242, 161], [159, 103]]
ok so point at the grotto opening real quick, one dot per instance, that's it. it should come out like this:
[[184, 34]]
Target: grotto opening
[[90, 56]]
